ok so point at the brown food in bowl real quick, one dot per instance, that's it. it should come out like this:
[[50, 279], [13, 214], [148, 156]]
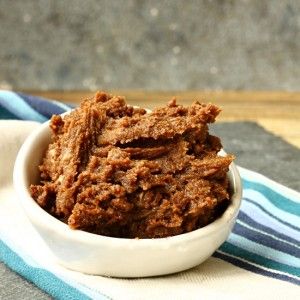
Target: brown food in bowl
[[119, 171]]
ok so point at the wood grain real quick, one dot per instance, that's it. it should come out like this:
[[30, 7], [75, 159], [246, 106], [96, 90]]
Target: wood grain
[[278, 112]]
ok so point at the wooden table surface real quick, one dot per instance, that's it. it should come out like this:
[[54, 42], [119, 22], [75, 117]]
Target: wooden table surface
[[278, 112]]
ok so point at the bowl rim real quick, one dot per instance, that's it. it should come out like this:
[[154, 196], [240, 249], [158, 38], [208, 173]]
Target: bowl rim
[[45, 219]]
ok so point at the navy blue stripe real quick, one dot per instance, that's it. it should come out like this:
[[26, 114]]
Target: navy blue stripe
[[43, 106], [265, 240], [248, 220], [271, 215], [244, 265], [6, 114]]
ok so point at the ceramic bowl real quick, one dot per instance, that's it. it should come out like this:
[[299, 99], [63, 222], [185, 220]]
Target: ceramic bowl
[[95, 254]]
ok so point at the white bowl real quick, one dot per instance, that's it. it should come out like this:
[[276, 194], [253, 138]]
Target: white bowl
[[95, 254]]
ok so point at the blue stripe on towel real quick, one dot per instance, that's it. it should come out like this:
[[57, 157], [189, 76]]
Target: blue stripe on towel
[[272, 215], [258, 259], [6, 114], [261, 217], [265, 202], [264, 251], [244, 217], [45, 280], [260, 238], [16, 105], [46, 108], [275, 198], [254, 268]]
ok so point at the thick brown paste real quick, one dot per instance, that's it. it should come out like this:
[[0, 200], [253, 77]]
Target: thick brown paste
[[119, 171]]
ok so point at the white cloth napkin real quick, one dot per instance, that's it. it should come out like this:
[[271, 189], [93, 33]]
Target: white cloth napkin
[[24, 251]]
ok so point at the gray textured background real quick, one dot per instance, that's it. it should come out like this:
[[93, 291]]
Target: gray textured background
[[161, 45]]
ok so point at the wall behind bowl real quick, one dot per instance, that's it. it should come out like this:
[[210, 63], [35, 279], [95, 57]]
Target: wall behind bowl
[[153, 45]]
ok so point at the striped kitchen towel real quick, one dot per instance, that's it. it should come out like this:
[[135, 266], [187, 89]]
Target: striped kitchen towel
[[260, 259]]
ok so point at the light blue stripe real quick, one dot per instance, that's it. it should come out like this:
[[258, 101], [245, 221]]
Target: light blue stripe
[[264, 251], [258, 259], [19, 107], [275, 238], [33, 264], [42, 278], [292, 197], [277, 198], [260, 217], [270, 207]]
